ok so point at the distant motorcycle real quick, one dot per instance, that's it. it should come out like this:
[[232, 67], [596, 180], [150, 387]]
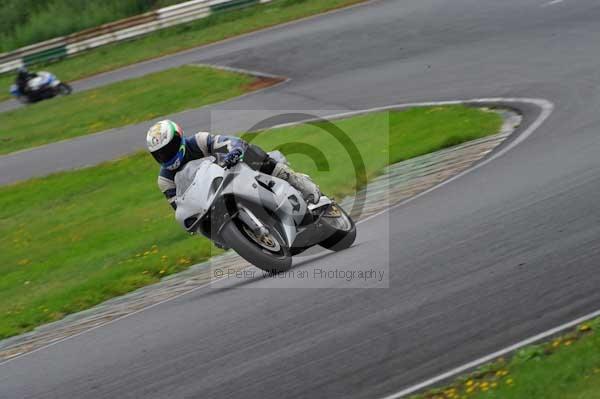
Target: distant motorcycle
[[263, 218], [42, 87]]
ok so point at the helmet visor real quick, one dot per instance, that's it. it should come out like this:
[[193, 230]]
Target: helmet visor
[[168, 152]]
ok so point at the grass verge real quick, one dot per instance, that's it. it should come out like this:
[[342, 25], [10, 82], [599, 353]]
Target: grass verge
[[208, 30], [75, 239], [567, 367], [119, 104]]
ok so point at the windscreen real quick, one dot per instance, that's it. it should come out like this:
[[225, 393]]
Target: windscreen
[[185, 177]]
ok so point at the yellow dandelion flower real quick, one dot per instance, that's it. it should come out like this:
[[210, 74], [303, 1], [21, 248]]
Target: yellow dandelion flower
[[450, 392], [585, 327], [509, 381], [470, 389], [494, 384], [568, 343], [469, 383]]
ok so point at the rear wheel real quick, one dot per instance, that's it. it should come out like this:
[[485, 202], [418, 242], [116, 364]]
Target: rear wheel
[[342, 226], [268, 252]]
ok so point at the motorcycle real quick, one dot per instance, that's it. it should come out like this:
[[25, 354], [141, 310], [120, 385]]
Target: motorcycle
[[263, 218], [44, 86]]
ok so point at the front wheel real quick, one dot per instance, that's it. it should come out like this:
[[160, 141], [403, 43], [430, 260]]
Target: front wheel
[[64, 89], [269, 253], [342, 227]]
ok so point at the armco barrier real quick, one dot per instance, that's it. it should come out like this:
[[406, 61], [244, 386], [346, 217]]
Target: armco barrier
[[31, 49], [228, 5], [111, 27], [124, 29], [45, 55]]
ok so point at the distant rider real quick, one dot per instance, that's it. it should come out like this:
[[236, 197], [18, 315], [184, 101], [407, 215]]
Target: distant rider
[[24, 76], [167, 144]]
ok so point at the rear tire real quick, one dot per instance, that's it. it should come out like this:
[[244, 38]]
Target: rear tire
[[247, 248], [343, 235]]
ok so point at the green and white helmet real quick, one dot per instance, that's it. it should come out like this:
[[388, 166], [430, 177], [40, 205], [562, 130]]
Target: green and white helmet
[[166, 144]]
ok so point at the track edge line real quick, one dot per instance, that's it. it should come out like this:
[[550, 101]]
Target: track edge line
[[485, 359]]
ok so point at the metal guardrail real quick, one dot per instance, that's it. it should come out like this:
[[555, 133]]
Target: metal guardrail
[[227, 5], [123, 29]]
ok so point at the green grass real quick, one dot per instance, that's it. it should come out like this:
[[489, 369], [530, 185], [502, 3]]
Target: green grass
[[567, 367], [208, 30], [118, 104], [26, 22], [74, 239], [412, 133]]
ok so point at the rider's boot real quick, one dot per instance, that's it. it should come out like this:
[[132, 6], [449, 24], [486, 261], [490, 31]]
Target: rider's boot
[[301, 182]]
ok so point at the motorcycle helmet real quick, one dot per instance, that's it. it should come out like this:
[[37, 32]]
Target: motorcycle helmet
[[165, 143], [22, 73]]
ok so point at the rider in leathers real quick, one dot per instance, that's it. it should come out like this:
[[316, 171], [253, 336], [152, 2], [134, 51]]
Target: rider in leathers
[[23, 77], [167, 144]]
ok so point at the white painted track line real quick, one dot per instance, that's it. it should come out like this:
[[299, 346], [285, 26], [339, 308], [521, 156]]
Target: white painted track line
[[553, 2], [492, 356]]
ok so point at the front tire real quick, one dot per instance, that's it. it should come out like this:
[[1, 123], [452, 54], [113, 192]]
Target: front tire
[[64, 89], [277, 260], [342, 226]]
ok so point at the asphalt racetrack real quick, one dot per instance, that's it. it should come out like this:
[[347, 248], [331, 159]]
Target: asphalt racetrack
[[498, 255]]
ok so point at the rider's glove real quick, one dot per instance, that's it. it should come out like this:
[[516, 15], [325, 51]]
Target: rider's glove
[[232, 158]]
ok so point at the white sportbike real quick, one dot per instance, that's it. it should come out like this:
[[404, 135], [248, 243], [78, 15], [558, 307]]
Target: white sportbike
[[44, 86], [263, 218]]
